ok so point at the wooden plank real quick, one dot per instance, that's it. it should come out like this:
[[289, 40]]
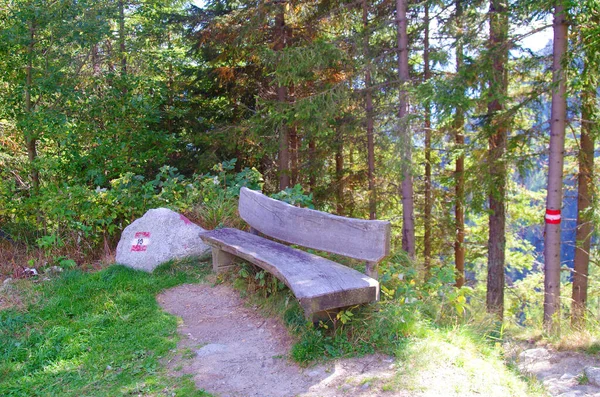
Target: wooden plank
[[318, 283], [354, 238]]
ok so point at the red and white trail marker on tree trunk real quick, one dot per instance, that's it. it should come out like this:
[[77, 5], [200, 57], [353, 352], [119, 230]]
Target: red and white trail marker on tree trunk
[[553, 217]]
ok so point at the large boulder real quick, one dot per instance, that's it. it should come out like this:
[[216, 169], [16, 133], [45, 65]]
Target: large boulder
[[159, 236]]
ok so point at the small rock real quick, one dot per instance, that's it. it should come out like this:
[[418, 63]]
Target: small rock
[[208, 350], [345, 387], [593, 375], [365, 386], [537, 354], [314, 373], [573, 393], [568, 376], [7, 281], [108, 367], [30, 272]]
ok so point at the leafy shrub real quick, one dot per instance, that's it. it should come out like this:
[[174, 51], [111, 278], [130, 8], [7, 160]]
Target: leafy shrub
[[75, 220], [295, 196], [217, 195]]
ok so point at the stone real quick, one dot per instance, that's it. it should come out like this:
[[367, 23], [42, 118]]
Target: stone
[[537, 354], [573, 393], [30, 272], [593, 375], [159, 236], [213, 348]]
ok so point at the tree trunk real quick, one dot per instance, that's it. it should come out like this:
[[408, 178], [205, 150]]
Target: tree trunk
[[555, 176], [30, 139], [312, 162], [369, 116], [339, 172], [585, 187], [170, 92], [459, 177], [122, 48], [497, 167], [427, 126], [284, 153], [408, 218], [293, 144], [294, 154]]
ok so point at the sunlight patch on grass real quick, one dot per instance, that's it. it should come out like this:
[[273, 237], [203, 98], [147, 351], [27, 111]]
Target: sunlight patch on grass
[[450, 362], [100, 334]]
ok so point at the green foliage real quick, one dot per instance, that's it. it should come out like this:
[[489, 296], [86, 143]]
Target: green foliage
[[100, 334], [436, 297], [295, 196], [78, 218], [218, 194]]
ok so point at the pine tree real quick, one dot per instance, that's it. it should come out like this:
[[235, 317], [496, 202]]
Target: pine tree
[[408, 218], [497, 135], [555, 174]]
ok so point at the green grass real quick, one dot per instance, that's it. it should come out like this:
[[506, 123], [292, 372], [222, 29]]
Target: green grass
[[466, 359], [462, 362], [95, 334]]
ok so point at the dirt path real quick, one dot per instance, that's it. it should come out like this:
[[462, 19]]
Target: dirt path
[[562, 373], [232, 351]]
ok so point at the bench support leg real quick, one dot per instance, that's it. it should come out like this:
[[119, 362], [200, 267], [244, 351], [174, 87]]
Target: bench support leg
[[371, 270], [222, 261], [325, 316]]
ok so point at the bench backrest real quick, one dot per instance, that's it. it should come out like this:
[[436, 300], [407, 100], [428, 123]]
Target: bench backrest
[[354, 238]]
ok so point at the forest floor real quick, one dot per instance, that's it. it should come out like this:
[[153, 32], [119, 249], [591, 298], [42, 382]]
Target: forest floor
[[231, 350]]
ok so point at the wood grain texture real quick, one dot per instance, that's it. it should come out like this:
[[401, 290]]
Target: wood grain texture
[[354, 238], [318, 283]]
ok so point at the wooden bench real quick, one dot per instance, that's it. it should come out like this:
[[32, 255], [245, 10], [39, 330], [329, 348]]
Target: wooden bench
[[319, 284]]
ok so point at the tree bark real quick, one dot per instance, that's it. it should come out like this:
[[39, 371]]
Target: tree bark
[[30, 139], [369, 116], [312, 162], [408, 221], [427, 126], [585, 187], [122, 48], [497, 126], [555, 176], [339, 173], [459, 177], [284, 153], [294, 154]]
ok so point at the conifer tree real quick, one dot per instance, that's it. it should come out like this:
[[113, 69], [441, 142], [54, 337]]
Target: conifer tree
[[427, 127], [585, 179], [369, 115], [497, 127], [459, 168], [408, 218], [555, 174]]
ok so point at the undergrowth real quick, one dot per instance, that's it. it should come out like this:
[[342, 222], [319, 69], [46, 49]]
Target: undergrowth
[[100, 334], [425, 325]]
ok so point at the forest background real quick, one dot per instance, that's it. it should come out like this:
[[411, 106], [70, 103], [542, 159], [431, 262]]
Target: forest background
[[433, 115]]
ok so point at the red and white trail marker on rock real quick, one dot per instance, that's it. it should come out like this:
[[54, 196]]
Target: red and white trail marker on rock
[[140, 242], [159, 236]]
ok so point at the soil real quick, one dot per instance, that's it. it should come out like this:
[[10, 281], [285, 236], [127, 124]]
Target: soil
[[9, 296], [231, 350], [561, 372]]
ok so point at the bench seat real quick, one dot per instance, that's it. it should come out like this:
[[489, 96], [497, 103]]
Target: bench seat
[[318, 283]]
